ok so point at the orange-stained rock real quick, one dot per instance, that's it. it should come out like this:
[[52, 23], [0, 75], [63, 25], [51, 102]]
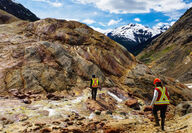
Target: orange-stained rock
[[51, 55], [45, 130], [132, 103]]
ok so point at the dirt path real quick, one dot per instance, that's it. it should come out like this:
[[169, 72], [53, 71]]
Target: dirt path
[[16, 117]]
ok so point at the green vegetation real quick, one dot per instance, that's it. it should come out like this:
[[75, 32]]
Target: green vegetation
[[152, 55], [188, 51], [146, 58]]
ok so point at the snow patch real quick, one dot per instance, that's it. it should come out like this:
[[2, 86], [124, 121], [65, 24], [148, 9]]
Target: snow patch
[[78, 99], [189, 85], [115, 97], [92, 115], [52, 112]]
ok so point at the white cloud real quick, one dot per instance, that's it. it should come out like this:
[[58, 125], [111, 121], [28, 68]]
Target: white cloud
[[104, 31], [137, 19], [137, 6], [95, 13], [112, 22], [70, 19], [54, 3], [161, 24], [173, 15], [157, 20], [88, 21], [102, 24]]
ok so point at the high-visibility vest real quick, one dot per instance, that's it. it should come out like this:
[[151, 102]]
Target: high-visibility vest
[[95, 82], [163, 97]]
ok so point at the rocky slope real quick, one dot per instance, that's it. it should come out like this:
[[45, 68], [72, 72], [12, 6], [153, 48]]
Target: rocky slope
[[52, 59], [171, 53], [17, 10], [135, 37], [56, 55]]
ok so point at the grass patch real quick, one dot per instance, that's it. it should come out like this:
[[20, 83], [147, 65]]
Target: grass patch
[[154, 55]]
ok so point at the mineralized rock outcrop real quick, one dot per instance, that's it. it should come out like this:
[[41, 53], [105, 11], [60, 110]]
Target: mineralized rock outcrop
[[53, 55], [49, 63]]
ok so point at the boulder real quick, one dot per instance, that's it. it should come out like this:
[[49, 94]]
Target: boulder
[[129, 82], [53, 97], [27, 101], [21, 117], [93, 105], [97, 112], [43, 112], [46, 130], [133, 103], [183, 108]]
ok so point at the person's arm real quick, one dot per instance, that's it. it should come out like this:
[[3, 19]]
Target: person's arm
[[155, 95], [168, 92]]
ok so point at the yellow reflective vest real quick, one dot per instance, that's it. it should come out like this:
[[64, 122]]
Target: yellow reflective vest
[[163, 97], [95, 82]]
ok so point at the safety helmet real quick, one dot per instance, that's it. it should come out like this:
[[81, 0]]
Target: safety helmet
[[156, 80]]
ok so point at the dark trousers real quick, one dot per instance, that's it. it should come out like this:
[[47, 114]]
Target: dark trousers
[[163, 109], [94, 93]]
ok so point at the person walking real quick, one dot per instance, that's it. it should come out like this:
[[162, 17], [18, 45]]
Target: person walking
[[160, 102], [94, 85]]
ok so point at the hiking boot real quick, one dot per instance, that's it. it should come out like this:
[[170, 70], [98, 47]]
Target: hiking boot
[[157, 124]]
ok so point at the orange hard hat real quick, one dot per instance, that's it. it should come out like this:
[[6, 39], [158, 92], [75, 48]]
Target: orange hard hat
[[156, 80]]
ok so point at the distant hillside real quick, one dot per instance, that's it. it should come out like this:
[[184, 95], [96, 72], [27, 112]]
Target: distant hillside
[[171, 53], [17, 10], [6, 18]]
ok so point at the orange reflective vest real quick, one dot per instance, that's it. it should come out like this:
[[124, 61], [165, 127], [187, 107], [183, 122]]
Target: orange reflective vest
[[163, 97], [95, 82]]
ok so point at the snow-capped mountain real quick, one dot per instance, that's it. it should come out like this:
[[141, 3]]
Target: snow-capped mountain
[[133, 35], [17, 10]]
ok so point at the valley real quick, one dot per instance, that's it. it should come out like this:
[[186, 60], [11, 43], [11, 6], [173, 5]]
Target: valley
[[47, 66]]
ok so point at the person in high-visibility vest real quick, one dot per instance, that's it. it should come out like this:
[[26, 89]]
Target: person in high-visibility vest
[[94, 85], [160, 102]]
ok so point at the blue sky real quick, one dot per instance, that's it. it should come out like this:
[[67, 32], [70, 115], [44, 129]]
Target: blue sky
[[103, 15]]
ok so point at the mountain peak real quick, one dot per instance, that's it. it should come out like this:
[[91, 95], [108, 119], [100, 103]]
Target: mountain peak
[[132, 35]]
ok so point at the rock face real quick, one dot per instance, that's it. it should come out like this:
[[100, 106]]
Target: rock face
[[48, 64], [171, 53], [52, 55], [17, 10]]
